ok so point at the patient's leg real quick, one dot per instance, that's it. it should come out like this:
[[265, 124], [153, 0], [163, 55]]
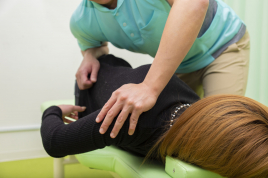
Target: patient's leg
[[113, 61], [86, 97]]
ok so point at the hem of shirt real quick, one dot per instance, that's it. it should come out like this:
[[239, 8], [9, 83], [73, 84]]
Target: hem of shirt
[[235, 39], [85, 48], [209, 59]]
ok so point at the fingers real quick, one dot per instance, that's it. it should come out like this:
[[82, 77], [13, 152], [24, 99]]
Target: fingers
[[88, 66], [112, 113], [73, 116], [120, 121], [78, 109], [66, 120], [75, 110], [106, 108], [133, 121], [112, 108], [94, 73], [75, 113], [84, 82]]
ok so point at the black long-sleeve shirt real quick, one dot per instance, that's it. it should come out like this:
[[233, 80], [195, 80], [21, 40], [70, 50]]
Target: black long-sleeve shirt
[[83, 135]]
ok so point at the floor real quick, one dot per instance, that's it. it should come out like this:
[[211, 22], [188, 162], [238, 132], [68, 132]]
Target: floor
[[43, 168]]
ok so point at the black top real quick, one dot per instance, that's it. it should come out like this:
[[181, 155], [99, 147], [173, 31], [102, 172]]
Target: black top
[[83, 135]]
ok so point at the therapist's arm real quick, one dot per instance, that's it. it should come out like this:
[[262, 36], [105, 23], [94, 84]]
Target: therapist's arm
[[182, 27]]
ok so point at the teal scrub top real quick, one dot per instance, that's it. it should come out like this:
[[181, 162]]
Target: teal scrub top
[[137, 25]]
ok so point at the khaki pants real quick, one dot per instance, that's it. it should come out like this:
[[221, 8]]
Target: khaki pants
[[227, 74]]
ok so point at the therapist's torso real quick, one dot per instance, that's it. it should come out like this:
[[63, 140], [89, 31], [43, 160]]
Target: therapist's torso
[[137, 25]]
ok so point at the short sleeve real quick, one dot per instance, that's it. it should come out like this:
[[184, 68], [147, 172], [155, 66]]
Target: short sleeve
[[80, 26]]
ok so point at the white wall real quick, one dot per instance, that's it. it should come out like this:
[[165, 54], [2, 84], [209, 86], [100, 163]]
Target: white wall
[[38, 60]]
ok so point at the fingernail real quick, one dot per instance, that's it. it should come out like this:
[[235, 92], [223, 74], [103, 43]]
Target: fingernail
[[112, 135], [101, 130], [97, 120], [130, 132], [84, 107]]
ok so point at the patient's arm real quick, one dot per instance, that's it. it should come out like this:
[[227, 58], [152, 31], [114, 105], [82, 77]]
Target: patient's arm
[[80, 136]]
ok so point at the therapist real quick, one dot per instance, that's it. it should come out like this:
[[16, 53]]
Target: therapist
[[203, 41]]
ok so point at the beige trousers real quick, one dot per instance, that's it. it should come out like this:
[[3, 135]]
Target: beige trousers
[[227, 74]]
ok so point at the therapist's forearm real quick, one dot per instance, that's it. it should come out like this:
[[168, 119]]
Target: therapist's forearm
[[97, 52], [182, 27]]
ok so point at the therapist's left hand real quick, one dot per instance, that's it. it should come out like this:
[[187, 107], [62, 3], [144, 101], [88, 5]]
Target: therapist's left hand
[[131, 99]]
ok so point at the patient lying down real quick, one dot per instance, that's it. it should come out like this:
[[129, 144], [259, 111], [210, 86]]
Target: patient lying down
[[226, 134]]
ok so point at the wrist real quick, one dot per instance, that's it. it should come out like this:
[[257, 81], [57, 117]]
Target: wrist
[[96, 52], [154, 90], [89, 53], [52, 110]]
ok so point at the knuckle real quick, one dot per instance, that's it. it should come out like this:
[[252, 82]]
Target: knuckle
[[104, 125], [123, 98], [130, 102], [106, 106], [134, 121], [97, 64], [138, 106], [115, 92], [110, 113], [120, 119]]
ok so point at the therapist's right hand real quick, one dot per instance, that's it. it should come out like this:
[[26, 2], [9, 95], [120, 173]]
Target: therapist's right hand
[[87, 73]]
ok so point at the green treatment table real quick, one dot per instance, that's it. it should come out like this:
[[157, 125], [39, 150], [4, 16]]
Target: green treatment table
[[126, 165]]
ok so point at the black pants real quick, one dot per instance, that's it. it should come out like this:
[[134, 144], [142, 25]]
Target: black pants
[[107, 59]]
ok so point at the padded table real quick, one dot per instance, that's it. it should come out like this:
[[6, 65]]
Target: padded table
[[127, 165]]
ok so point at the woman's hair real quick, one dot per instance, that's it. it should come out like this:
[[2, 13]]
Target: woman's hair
[[226, 134]]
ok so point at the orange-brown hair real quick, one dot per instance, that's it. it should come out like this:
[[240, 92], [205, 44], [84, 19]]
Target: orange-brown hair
[[226, 134]]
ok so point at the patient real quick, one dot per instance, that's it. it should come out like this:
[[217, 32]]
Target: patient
[[226, 134]]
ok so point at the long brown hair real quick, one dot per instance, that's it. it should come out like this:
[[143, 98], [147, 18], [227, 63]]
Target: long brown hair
[[226, 134]]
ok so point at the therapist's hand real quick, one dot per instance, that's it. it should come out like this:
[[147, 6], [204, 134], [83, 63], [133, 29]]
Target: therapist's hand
[[131, 99], [90, 65]]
